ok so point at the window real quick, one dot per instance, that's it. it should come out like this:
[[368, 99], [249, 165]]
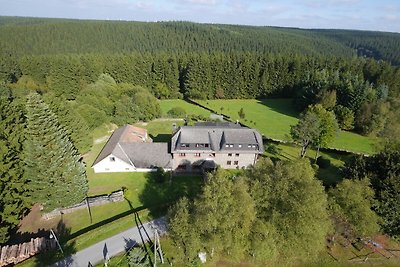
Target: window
[[227, 145], [205, 145], [229, 162], [107, 169], [230, 155], [184, 145], [239, 146], [253, 146], [126, 169], [112, 159], [181, 167], [236, 162], [197, 154], [211, 155], [236, 155], [182, 154], [231, 145], [249, 146]]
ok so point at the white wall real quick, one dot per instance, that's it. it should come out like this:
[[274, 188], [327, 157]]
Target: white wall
[[106, 165]]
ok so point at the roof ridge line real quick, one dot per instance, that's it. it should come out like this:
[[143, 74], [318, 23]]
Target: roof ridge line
[[123, 151]]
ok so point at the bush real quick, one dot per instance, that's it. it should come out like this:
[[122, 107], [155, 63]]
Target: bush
[[323, 162], [161, 175], [176, 112]]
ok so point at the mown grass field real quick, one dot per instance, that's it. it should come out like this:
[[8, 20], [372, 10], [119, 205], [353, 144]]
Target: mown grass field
[[166, 105], [273, 118]]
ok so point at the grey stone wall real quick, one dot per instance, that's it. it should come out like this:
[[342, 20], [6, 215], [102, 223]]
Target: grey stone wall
[[93, 201]]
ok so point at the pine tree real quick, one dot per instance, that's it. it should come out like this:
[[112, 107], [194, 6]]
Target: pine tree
[[54, 169], [13, 193], [74, 124]]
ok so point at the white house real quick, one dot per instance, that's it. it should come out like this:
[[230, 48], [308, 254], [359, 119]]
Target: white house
[[129, 149]]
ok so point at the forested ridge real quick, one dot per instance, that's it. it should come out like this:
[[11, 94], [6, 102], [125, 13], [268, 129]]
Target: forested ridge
[[39, 36], [54, 36]]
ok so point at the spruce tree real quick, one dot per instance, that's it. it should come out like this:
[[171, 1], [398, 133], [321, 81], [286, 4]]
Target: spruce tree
[[53, 167], [13, 193]]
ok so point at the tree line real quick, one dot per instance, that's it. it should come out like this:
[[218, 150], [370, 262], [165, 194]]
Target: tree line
[[360, 91]]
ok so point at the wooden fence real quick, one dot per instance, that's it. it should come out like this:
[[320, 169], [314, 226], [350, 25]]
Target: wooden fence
[[10, 255]]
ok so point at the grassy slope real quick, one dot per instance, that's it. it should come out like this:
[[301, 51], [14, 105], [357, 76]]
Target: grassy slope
[[273, 118]]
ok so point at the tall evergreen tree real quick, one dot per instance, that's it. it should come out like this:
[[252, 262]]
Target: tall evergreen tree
[[13, 194], [53, 167]]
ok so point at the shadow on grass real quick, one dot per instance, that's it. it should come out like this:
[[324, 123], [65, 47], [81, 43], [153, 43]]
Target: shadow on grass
[[57, 258], [157, 196], [280, 105], [104, 222], [161, 137], [164, 192]]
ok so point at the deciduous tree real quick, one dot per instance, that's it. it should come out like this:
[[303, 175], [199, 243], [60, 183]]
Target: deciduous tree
[[292, 203], [306, 131], [353, 200]]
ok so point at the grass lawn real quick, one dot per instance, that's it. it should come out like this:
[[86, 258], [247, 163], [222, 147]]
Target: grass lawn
[[273, 118], [166, 105], [160, 130]]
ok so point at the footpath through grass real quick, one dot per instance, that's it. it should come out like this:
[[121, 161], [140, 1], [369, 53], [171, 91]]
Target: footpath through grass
[[273, 118]]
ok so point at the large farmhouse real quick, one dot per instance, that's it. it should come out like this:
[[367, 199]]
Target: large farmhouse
[[226, 144], [192, 148]]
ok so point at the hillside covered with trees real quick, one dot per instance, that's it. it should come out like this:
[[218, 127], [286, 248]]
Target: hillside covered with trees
[[76, 75]]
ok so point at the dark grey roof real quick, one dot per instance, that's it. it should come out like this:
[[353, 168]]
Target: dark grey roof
[[110, 145], [242, 136], [145, 155], [218, 124], [141, 155], [217, 136]]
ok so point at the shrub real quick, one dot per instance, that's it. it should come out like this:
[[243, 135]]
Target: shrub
[[176, 112]]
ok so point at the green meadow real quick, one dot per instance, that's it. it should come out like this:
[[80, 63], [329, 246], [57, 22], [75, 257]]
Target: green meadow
[[273, 118], [166, 105]]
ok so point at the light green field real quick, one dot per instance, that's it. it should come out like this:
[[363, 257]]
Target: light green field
[[166, 105], [273, 118]]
